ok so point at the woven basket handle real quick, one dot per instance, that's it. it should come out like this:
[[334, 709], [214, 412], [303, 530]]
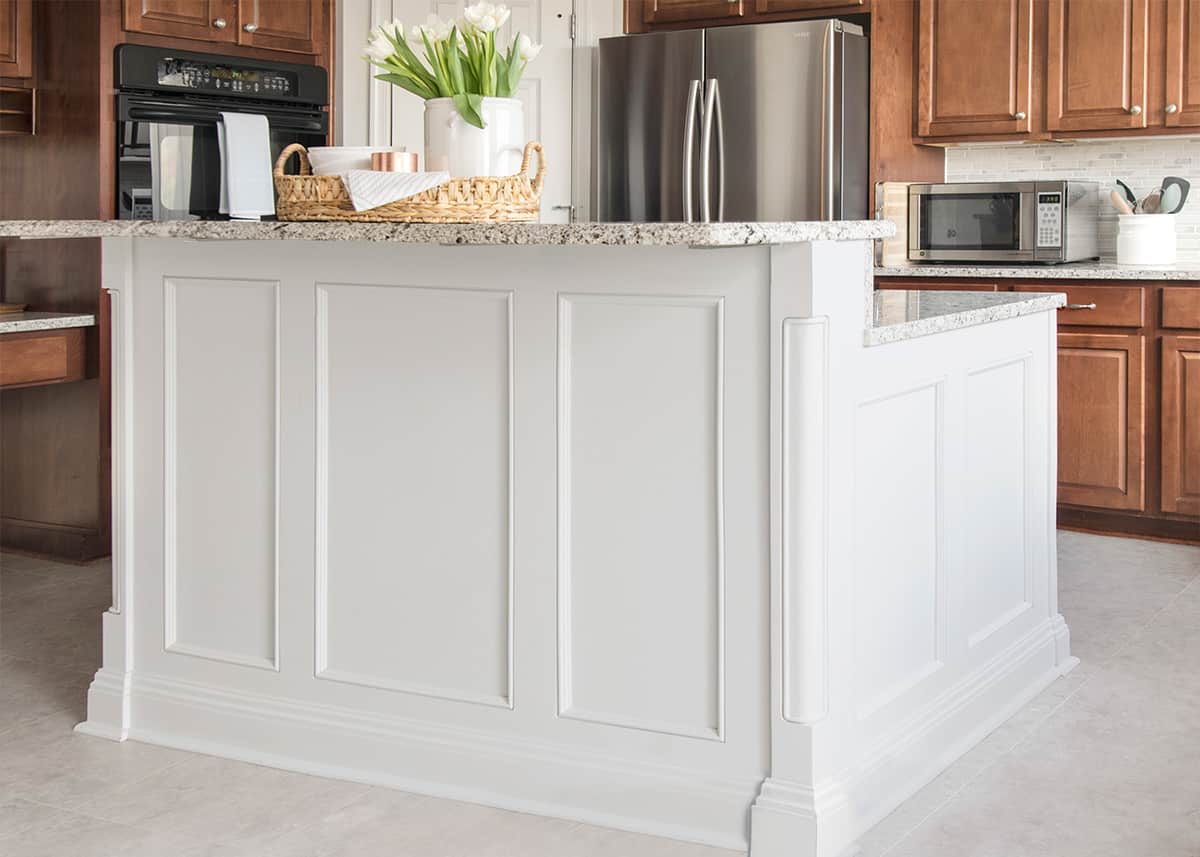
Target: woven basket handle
[[540, 178], [294, 149]]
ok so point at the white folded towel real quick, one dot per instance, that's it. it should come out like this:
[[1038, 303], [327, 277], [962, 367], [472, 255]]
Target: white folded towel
[[247, 191], [373, 188]]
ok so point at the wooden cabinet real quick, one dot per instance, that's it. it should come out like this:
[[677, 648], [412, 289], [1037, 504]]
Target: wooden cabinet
[[1096, 65], [1101, 420], [973, 74], [41, 357], [1183, 64], [675, 11], [1181, 424], [281, 25], [770, 7], [209, 20], [16, 38]]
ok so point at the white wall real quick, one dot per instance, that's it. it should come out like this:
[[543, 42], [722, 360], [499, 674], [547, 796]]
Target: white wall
[[1141, 164]]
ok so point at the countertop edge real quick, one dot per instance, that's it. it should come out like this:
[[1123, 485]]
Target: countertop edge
[[65, 321], [1187, 270], [1037, 302]]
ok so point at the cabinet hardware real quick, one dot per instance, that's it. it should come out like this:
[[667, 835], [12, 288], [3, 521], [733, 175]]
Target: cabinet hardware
[[1080, 306], [250, 28], [1135, 110], [219, 23], [1171, 108], [1019, 115]]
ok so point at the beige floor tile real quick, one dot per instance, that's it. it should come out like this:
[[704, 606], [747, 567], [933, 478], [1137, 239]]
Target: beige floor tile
[[30, 829], [30, 691]]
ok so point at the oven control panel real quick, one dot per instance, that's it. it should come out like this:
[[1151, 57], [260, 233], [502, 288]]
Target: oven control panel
[[225, 78], [1049, 219]]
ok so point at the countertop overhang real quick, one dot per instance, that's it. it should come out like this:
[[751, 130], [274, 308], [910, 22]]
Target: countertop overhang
[[900, 314], [707, 235], [1188, 269], [24, 322]]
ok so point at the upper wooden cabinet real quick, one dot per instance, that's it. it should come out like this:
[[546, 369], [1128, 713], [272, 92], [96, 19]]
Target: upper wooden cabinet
[[209, 20], [973, 73], [1096, 65], [1183, 64], [16, 38], [280, 25], [769, 7], [674, 11]]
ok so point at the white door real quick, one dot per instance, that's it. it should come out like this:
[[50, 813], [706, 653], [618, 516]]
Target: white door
[[394, 117]]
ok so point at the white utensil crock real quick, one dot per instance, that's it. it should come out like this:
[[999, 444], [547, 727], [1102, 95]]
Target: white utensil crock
[[454, 145], [1146, 239]]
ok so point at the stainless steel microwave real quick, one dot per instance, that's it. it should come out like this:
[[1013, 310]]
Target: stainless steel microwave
[[1043, 221]]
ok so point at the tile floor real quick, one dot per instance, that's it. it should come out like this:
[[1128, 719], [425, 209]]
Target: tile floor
[[1105, 763]]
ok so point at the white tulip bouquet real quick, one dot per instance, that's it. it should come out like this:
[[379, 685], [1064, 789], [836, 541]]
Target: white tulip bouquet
[[461, 59]]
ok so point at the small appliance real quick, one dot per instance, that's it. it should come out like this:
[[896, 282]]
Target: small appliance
[[1032, 221]]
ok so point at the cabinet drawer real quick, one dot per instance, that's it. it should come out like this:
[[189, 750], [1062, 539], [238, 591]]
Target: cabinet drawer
[[1181, 307], [41, 357], [1097, 306]]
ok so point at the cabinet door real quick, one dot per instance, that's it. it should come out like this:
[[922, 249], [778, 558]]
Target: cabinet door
[[664, 11], [1181, 424], [765, 7], [1101, 420], [1096, 65], [1183, 63], [281, 25], [210, 20], [973, 67], [16, 38]]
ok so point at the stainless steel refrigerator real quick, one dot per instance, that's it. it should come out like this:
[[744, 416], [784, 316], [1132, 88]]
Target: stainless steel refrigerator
[[758, 122]]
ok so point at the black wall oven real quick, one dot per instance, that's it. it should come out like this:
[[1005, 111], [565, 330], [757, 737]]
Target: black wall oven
[[168, 105]]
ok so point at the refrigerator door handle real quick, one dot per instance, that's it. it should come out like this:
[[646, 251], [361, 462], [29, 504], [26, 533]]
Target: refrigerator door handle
[[720, 131], [706, 135], [829, 117], [689, 146]]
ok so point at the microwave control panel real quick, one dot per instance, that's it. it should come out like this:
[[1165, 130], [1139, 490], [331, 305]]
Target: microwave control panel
[[1049, 219], [220, 77]]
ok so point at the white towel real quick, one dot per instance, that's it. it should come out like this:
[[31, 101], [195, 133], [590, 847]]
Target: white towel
[[373, 188], [247, 192]]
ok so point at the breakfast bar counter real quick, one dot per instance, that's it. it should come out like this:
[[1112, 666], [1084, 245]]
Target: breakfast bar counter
[[676, 528]]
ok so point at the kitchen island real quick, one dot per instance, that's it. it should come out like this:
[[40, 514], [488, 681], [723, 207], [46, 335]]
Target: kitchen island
[[677, 528]]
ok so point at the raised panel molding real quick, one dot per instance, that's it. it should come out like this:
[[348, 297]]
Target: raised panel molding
[[443, 485], [221, 403], [899, 544], [642, 577], [805, 535], [999, 484]]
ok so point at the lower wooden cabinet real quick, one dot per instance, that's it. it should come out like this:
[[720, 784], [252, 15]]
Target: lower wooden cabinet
[[1181, 424], [41, 357], [1102, 420]]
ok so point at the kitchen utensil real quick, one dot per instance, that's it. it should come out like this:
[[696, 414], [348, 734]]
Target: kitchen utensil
[[1129, 197], [1119, 203], [1175, 182], [1150, 202], [1169, 203]]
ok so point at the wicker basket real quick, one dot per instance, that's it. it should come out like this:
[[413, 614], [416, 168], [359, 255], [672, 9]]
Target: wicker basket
[[492, 199]]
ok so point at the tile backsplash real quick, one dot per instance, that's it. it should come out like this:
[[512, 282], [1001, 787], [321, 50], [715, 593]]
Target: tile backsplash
[[1141, 164]]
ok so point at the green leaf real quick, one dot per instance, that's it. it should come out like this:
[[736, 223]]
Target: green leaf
[[412, 86], [414, 64], [470, 107], [454, 64]]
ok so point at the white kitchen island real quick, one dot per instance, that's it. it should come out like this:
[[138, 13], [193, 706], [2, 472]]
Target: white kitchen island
[[678, 528]]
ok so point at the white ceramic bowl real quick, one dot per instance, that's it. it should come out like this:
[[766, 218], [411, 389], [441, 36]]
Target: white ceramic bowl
[[335, 160]]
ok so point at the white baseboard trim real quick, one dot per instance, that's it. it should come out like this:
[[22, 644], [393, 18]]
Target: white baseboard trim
[[818, 822], [442, 761], [107, 706]]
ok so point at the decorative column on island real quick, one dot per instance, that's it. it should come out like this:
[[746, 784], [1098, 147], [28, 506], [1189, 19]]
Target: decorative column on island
[[677, 528]]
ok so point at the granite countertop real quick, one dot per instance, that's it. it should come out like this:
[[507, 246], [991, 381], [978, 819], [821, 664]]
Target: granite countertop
[[546, 234], [1185, 270], [901, 314], [21, 322]]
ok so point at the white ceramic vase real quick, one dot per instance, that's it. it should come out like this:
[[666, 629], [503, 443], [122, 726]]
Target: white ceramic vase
[[458, 147]]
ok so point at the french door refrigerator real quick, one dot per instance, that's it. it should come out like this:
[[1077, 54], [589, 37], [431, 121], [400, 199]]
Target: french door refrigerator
[[762, 122]]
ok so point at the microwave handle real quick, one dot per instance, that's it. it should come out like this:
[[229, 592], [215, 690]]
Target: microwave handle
[[1028, 223]]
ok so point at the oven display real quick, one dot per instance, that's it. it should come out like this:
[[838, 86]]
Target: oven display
[[212, 77]]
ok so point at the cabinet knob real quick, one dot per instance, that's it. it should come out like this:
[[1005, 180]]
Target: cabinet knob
[[219, 23], [1135, 110], [1172, 108], [250, 28], [1019, 115]]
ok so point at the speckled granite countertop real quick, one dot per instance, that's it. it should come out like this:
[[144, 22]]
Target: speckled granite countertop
[[20, 322], [901, 314], [1185, 270], [581, 234]]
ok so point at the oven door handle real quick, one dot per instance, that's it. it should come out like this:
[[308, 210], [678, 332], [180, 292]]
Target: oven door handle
[[176, 115]]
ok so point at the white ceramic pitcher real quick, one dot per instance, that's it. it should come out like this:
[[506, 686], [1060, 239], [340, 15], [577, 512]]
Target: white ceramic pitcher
[[454, 145]]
